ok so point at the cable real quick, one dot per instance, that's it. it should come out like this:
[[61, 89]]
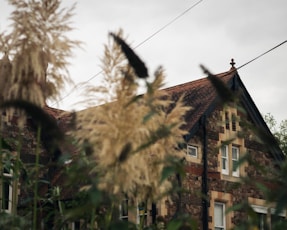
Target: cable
[[169, 23], [261, 55], [254, 59], [138, 45], [235, 69], [162, 28], [75, 87]]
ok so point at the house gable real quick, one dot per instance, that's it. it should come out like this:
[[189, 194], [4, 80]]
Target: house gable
[[203, 99], [222, 134]]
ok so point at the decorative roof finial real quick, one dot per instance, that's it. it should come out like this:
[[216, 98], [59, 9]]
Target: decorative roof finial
[[232, 63]]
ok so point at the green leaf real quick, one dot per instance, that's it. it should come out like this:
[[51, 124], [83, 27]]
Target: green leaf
[[174, 224], [245, 158], [148, 116], [95, 196], [262, 187], [122, 225], [134, 99], [166, 172]]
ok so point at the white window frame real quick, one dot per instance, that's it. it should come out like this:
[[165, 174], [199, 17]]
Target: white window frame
[[223, 226], [235, 160], [124, 217], [230, 160], [267, 211], [224, 148], [260, 210], [74, 225], [190, 149], [140, 214], [10, 196]]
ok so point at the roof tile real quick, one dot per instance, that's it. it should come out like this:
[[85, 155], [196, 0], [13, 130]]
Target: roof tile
[[198, 94]]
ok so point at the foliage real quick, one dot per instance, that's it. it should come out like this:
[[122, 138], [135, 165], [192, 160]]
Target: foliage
[[132, 136], [13, 222], [39, 47], [278, 130], [126, 147]]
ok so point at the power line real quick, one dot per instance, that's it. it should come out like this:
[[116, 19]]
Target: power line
[[75, 87], [252, 60], [138, 45], [240, 67], [169, 23], [263, 54], [162, 28]]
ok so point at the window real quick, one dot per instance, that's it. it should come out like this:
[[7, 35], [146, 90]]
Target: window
[[142, 214], [219, 203], [235, 159], [6, 198], [76, 225], [219, 216], [233, 122], [124, 209], [230, 119], [192, 151], [227, 120], [224, 160], [265, 217], [229, 160], [262, 221]]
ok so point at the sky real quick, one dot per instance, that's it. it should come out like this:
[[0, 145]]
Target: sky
[[211, 33]]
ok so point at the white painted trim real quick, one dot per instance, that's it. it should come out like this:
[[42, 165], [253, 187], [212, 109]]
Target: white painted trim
[[9, 176], [264, 210], [235, 173], [224, 171], [192, 147], [223, 227]]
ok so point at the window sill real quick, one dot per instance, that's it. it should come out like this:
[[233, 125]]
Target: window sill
[[230, 178]]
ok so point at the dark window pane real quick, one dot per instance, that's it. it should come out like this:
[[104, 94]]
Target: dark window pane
[[233, 122], [5, 194], [124, 207], [227, 120]]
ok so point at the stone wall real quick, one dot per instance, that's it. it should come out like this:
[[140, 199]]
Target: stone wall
[[218, 184]]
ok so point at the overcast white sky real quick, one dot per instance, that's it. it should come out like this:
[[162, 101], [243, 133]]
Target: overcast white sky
[[211, 34]]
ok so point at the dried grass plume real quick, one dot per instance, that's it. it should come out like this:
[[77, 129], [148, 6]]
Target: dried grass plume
[[132, 135], [39, 49]]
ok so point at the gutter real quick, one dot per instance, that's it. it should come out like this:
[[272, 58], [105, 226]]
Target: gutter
[[204, 186]]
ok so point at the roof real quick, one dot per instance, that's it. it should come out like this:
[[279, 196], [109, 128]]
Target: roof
[[199, 95], [64, 118], [203, 98]]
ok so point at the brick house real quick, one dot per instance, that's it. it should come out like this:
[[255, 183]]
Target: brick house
[[215, 142], [13, 197]]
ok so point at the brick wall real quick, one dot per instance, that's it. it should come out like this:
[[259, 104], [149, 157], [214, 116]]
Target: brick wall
[[192, 184]]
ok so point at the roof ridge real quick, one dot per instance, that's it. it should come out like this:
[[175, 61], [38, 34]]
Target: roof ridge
[[203, 79]]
